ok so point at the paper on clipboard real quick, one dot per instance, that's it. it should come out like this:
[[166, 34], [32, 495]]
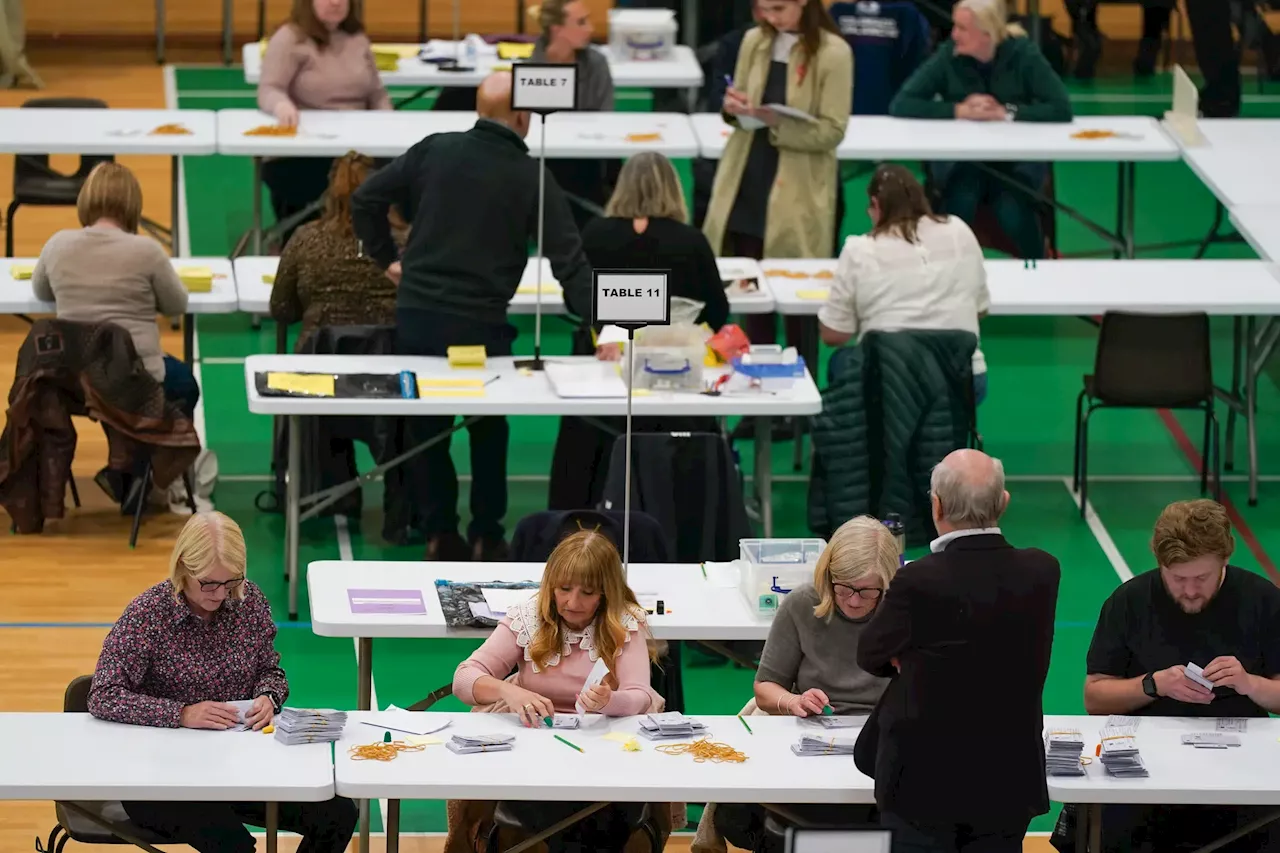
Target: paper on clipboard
[[791, 112], [598, 674]]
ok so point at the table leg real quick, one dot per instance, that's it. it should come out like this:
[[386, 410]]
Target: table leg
[[1124, 241], [689, 16], [364, 702], [1095, 826], [273, 826], [393, 826], [189, 338], [1082, 829], [160, 32], [1131, 207], [228, 24], [1251, 407], [422, 22], [1237, 359], [257, 206], [1033, 18], [175, 205], [292, 497], [764, 472]]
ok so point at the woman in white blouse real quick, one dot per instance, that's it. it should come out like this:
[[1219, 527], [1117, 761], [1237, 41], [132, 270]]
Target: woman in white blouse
[[915, 270]]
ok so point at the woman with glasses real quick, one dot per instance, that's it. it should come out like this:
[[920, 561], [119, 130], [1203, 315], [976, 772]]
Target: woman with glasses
[[810, 662], [178, 656]]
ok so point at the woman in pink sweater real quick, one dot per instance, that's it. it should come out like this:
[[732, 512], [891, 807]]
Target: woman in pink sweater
[[320, 59], [583, 613]]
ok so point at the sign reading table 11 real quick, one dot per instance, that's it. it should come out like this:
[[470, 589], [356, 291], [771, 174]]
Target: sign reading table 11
[[540, 87], [631, 298]]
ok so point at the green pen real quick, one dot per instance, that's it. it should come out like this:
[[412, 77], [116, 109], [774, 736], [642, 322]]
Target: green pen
[[703, 566]]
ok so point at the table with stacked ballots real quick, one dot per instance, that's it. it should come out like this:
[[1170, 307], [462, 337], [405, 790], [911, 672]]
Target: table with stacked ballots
[[539, 767], [17, 297], [75, 758], [168, 133], [585, 388], [1248, 291], [1124, 140], [1179, 774]]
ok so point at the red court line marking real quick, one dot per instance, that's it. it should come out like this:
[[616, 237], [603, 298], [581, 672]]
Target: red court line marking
[[1192, 453]]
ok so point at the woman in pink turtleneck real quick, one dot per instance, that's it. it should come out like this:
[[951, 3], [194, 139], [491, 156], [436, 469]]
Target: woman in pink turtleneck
[[584, 612], [320, 59]]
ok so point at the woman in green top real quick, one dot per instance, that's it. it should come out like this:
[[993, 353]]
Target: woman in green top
[[988, 71]]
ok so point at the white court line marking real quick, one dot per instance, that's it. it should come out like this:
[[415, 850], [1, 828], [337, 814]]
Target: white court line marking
[[1100, 533]]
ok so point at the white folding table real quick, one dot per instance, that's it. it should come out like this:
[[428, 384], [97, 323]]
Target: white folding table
[[111, 132], [542, 769], [1135, 139], [75, 758], [1244, 290], [1259, 225], [380, 133], [511, 392], [17, 297], [1180, 774]]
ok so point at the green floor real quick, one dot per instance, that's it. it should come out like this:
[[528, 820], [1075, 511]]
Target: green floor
[[1035, 370]]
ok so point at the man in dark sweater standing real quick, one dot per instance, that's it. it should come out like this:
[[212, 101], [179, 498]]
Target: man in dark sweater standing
[[473, 200]]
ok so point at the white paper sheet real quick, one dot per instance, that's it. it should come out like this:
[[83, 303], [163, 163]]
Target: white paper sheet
[[597, 675], [598, 379], [501, 601], [791, 112]]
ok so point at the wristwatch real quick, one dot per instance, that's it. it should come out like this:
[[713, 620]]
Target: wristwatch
[[275, 700], [1149, 685]]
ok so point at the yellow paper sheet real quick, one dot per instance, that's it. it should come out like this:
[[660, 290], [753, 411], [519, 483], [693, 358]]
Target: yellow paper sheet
[[196, 279], [466, 356], [450, 392], [401, 51], [547, 288], [21, 272], [447, 387], [385, 61], [509, 50], [816, 293], [269, 278], [422, 740], [314, 384], [449, 382]]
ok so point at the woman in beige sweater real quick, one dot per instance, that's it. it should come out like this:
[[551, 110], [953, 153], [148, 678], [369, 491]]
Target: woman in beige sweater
[[320, 59], [108, 272]]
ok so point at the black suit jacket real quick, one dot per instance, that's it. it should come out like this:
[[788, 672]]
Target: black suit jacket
[[959, 729]]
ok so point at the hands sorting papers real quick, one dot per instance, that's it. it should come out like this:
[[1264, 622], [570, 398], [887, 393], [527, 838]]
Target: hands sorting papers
[[1062, 752], [814, 745], [468, 744], [670, 726], [309, 725]]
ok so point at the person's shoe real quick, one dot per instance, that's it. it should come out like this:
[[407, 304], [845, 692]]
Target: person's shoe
[[485, 550], [448, 548], [1144, 64]]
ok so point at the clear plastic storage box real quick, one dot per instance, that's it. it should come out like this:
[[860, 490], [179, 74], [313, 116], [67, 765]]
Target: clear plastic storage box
[[774, 567], [641, 34]]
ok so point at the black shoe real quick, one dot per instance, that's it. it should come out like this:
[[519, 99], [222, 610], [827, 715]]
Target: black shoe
[[484, 550], [448, 548]]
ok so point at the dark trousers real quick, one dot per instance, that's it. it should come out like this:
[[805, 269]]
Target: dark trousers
[[966, 187], [1216, 55], [743, 824], [421, 332], [1168, 829], [952, 838], [605, 831], [180, 385], [219, 827], [295, 182]]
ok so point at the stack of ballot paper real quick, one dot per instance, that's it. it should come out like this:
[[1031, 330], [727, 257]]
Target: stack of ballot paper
[[196, 279], [816, 745], [670, 726], [1062, 752], [309, 725], [21, 272], [831, 722], [467, 744], [1120, 753]]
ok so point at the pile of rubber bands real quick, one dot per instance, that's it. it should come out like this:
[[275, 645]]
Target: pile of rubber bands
[[704, 750], [383, 751]]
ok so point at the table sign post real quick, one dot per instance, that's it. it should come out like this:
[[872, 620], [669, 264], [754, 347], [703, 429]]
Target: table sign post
[[629, 299], [543, 88]]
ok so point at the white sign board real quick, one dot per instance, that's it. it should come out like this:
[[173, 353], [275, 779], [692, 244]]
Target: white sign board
[[631, 298], [539, 87]]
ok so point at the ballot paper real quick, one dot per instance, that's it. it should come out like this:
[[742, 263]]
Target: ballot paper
[[831, 722], [402, 722], [597, 675], [468, 744], [1063, 748], [815, 745], [242, 706], [791, 112], [1211, 740], [503, 601], [1196, 674], [1119, 754], [309, 725], [1116, 721], [670, 726], [1232, 724], [566, 721]]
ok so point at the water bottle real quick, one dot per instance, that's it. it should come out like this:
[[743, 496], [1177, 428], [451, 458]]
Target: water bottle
[[473, 52], [894, 522]]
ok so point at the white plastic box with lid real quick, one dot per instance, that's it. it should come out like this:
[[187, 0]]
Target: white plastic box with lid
[[771, 568], [641, 35]]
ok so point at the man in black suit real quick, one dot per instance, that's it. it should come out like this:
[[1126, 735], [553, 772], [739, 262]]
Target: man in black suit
[[967, 633]]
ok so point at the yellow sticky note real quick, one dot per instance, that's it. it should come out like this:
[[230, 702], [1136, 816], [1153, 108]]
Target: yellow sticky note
[[422, 740], [196, 279], [386, 60], [313, 384], [514, 50], [466, 356], [22, 272], [547, 288], [446, 387], [401, 51], [449, 382], [269, 278], [816, 293]]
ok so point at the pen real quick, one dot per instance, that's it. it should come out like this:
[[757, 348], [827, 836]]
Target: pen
[[744, 723], [728, 80], [566, 743], [388, 728], [703, 566]]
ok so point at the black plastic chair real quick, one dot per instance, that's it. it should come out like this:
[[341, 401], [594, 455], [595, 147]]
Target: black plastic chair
[[36, 183], [73, 822], [504, 818], [1150, 361]]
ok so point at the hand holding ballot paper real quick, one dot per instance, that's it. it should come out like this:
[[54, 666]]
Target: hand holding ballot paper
[[597, 690]]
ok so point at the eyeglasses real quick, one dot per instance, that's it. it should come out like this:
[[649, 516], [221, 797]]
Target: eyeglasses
[[868, 593], [229, 585]]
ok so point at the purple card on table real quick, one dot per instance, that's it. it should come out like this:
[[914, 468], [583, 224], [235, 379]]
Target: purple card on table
[[403, 601]]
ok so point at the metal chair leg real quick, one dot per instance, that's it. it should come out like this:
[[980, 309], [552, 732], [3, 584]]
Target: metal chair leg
[[1075, 458], [189, 482], [1204, 449], [1084, 462], [141, 505], [8, 228], [75, 492]]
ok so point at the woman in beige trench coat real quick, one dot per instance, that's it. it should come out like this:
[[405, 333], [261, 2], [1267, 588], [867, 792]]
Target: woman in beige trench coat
[[775, 189]]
